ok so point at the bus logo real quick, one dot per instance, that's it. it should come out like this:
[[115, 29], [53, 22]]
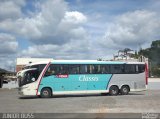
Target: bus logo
[[62, 76]]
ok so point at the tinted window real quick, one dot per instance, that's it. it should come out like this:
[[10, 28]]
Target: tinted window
[[141, 68], [130, 68], [74, 69], [105, 69], [41, 67], [29, 75], [90, 69], [55, 69], [84, 69], [97, 69], [87, 69], [117, 69]]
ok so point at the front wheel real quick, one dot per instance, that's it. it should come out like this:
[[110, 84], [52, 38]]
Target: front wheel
[[46, 93], [114, 90]]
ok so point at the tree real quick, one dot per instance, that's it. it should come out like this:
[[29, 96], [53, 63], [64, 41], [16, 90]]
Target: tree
[[153, 54], [155, 44]]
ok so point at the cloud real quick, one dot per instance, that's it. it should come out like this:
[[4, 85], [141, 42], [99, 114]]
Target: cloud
[[53, 24], [8, 44], [10, 9], [53, 30], [74, 17], [8, 50], [8, 63], [78, 49], [132, 29]]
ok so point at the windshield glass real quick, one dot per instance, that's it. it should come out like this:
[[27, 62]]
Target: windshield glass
[[28, 76]]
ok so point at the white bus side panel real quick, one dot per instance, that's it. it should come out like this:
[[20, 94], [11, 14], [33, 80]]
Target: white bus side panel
[[136, 82]]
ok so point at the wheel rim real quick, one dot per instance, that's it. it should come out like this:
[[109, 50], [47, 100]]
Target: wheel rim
[[45, 93], [114, 91], [125, 90]]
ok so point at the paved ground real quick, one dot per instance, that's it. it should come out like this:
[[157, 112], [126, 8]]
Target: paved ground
[[138, 102], [147, 101]]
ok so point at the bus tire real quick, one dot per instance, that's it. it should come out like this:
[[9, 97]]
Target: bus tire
[[124, 90], [46, 93], [114, 90]]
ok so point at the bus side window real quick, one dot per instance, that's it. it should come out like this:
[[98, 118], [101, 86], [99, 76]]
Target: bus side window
[[90, 69], [141, 68], [62, 69], [52, 70], [130, 69], [74, 69], [116, 69], [55, 69], [97, 69], [103, 69], [83, 69], [122, 68]]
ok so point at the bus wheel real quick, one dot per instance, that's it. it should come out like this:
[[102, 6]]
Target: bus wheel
[[46, 93], [124, 90], [114, 90]]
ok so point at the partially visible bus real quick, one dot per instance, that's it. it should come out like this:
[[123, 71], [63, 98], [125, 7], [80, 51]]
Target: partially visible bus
[[73, 77]]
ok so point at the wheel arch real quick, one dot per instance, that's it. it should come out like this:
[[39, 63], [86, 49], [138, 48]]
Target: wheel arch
[[113, 85], [48, 88]]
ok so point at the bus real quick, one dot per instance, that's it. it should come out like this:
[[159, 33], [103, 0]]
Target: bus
[[84, 76]]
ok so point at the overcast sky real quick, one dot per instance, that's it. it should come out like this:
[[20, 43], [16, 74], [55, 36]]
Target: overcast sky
[[75, 29]]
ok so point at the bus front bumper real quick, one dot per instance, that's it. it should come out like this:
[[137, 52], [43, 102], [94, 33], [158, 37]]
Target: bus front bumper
[[26, 91]]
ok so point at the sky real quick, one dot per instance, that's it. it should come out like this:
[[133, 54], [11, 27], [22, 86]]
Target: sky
[[75, 29]]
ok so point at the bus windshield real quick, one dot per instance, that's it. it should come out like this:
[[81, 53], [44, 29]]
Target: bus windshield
[[28, 76]]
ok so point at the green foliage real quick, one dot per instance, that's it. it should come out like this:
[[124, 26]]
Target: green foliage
[[153, 54], [156, 71], [135, 55], [155, 44]]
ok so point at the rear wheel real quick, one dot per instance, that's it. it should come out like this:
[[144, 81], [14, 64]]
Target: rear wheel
[[124, 90], [46, 93], [114, 90]]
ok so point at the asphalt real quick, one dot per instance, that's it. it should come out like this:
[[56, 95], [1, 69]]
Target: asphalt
[[96, 105], [137, 102]]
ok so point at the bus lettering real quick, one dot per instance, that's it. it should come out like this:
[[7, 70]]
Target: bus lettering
[[88, 78]]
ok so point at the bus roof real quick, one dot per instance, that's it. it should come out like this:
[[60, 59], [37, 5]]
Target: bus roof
[[92, 62], [83, 62], [36, 63]]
